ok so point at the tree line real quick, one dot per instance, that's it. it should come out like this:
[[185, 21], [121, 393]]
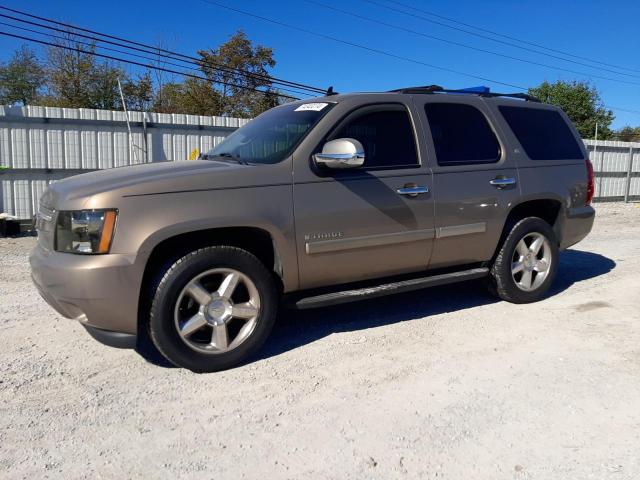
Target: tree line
[[70, 75], [74, 77]]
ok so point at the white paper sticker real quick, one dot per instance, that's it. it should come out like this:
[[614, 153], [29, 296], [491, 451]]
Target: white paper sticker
[[314, 107]]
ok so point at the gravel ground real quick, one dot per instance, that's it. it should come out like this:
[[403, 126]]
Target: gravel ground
[[442, 383]]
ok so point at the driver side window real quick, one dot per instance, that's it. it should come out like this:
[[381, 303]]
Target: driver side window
[[385, 132]]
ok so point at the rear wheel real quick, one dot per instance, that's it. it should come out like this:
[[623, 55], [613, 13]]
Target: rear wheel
[[527, 262], [213, 309]]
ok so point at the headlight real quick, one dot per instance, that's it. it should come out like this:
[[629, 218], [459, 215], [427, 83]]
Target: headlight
[[85, 231]]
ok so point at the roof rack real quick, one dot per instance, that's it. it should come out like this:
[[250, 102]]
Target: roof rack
[[480, 91]]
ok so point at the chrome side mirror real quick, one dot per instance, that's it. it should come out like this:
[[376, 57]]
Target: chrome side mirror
[[341, 153]]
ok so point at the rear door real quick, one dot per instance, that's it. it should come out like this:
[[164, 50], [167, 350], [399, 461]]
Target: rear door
[[551, 154], [475, 179], [355, 224]]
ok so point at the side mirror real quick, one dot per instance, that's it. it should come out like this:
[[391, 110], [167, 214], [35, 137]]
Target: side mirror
[[341, 153]]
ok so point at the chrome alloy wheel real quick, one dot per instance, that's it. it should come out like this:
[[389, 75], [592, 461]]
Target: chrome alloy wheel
[[217, 310], [531, 261]]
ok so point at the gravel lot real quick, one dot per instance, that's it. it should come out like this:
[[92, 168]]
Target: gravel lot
[[442, 383]]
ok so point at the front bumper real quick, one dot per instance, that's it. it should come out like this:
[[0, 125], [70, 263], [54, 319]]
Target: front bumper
[[100, 291], [112, 339], [574, 225]]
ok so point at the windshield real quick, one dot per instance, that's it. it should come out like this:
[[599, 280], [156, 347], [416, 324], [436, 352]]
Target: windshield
[[270, 137]]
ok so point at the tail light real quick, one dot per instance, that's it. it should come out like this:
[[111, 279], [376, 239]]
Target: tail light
[[591, 185]]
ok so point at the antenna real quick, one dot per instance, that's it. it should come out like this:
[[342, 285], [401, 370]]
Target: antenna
[[134, 148], [126, 113]]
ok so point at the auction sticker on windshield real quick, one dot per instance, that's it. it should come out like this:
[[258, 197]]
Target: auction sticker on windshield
[[314, 107]]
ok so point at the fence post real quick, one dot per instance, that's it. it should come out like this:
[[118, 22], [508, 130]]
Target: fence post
[[629, 170]]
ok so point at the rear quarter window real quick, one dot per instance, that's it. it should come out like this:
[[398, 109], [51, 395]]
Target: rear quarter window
[[544, 134]]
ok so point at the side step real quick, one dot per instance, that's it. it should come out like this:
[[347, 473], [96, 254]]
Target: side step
[[345, 296]]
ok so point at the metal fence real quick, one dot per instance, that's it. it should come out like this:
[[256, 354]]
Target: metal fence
[[617, 170], [39, 145]]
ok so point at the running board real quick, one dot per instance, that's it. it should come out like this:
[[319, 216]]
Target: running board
[[335, 298]]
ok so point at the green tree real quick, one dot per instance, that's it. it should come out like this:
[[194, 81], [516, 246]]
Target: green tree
[[200, 98], [628, 134], [193, 97], [71, 74], [168, 98], [103, 87], [581, 102], [22, 79], [138, 93], [226, 68], [77, 79]]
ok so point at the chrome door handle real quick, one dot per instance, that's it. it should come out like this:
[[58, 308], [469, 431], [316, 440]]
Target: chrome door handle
[[502, 182], [412, 190]]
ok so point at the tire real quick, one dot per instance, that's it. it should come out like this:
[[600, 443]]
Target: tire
[[524, 275], [230, 300]]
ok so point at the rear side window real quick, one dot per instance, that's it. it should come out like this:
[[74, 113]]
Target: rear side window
[[543, 134], [461, 134], [386, 135]]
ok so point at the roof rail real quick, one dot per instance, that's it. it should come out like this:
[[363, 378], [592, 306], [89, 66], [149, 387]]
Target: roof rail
[[480, 91]]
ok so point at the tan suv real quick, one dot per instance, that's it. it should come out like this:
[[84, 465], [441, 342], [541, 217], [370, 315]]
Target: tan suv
[[316, 202]]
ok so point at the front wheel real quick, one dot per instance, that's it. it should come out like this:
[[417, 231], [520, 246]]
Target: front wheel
[[527, 262], [213, 308]]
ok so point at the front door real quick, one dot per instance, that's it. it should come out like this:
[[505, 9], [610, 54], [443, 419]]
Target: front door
[[359, 223]]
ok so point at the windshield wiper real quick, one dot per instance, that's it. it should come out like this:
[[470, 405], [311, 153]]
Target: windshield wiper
[[230, 156]]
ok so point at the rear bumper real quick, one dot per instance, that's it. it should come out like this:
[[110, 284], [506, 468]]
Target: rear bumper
[[574, 225], [100, 291]]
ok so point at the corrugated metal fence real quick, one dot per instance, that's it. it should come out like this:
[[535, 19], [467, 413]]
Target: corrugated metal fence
[[39, 145], [617, 170]]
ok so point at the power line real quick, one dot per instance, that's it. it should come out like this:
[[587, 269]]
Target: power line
[[373, 50], [360, 46], [389, 54], [191, 59], [470, 47], [508, 37], [155, 50], [153, 67], [151, 49], [623, 109], [94, 45], [414, 15]]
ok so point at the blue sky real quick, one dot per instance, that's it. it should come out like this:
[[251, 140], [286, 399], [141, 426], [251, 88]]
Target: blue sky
[[607, 32]]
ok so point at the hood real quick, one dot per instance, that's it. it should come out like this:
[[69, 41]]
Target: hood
[[86, 190]]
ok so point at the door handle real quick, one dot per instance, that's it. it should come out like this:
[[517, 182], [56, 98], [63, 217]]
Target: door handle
[[502, 182], [411, 190]]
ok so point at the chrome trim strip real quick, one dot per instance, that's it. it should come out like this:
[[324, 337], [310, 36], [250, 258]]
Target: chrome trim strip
[[455, 230], [324, 246]]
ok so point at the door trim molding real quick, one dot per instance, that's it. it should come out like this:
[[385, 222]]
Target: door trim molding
[[466, 229], [325, 246]]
